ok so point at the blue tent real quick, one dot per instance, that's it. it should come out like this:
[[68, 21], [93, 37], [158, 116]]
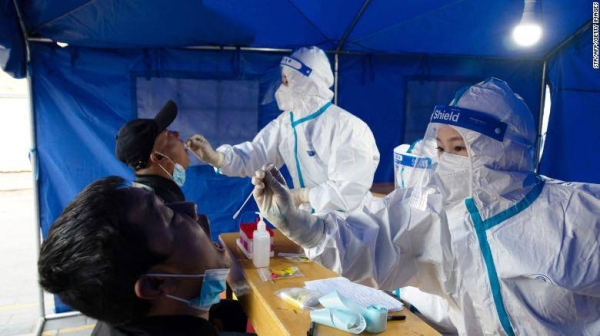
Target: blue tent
[[394, 60]]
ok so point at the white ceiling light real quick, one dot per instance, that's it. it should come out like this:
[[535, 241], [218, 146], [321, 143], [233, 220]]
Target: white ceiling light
[[528, 32]]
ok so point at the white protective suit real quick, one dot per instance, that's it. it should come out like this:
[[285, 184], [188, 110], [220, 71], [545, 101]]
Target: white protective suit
[[326, 149], [519, 254]]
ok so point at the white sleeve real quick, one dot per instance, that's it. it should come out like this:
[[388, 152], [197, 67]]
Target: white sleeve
[[369, 247], [579, 236], [580, 246], [350, 170], [244, 159]]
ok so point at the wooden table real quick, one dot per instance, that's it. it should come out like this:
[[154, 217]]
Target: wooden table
[[382, 189], [272, 316]]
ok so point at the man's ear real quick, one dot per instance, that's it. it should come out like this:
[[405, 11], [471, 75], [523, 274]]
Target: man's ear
[[148, 287], [155, 157]]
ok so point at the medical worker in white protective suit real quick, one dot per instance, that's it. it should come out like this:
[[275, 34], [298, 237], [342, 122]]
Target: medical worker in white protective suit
[[331, 154], [511, 253]]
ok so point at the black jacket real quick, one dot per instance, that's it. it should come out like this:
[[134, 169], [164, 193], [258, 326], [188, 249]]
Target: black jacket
[[163, 187], [175, 325], [170, 192]]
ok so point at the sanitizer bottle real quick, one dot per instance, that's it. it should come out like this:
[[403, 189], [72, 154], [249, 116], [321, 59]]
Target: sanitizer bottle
[[261, 244]]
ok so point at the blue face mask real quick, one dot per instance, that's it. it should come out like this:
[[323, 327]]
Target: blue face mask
[[213, 284], [178, 175]]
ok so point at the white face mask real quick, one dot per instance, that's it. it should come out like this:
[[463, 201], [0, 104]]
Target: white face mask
[[452, 175], [284, 98]]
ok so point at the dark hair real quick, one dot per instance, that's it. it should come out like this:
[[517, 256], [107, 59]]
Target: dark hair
[[93, 254]]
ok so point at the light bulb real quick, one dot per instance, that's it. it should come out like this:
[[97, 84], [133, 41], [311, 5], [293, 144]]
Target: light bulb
[[527, 34]]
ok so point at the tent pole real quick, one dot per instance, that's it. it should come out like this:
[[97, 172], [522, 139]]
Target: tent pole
[[340, 46], [224, 48], [34, 163], [357, 17], [341, 52], [550, 54], [336, 66], [540, 137], [566, 41]]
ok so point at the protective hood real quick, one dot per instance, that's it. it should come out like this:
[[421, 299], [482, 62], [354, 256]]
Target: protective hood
[[499, 134], [309, 77]]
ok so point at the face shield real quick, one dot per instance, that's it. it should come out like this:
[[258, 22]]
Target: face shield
[[479, 122], [415, 163], [269, 83], [408, 162], [470, 125], [292, 68], [309, 79]]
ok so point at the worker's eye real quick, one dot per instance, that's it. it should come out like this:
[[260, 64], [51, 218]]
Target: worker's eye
[[439, 149], [458, 149]]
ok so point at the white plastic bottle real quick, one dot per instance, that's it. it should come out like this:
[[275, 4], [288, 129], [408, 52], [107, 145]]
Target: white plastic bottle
[[261, 245]]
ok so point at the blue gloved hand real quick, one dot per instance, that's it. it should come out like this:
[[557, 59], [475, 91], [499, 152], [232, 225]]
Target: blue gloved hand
[[277, 206]]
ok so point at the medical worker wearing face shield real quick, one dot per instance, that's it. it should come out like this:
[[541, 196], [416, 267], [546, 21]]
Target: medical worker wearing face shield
[[511, 252], [331, 154]]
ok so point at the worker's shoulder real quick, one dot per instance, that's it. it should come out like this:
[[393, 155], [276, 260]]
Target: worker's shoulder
[[342, 115], [282, 119], [344, 119], [564, 188]]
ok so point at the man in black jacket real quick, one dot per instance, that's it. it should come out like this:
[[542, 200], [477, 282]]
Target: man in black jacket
[[157, 156]]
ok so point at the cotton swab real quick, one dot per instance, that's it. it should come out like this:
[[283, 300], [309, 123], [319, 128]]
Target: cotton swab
[[247, 198], [190, 150], [240, 210]]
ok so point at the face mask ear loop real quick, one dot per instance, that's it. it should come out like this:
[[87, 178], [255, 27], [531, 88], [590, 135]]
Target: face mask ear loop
[[163, 168], [177, 298], [182, 276], [168, 158]]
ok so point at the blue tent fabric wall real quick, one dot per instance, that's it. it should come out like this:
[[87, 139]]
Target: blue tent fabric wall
[[572, 141]]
